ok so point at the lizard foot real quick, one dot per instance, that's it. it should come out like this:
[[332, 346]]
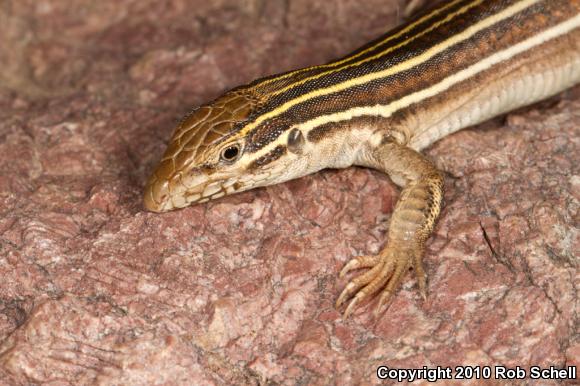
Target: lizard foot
[[385, 273]]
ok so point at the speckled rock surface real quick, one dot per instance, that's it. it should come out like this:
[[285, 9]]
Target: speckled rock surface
[[94, 290]]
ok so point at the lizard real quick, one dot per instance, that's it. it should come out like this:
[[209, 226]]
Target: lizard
[[457, 65]]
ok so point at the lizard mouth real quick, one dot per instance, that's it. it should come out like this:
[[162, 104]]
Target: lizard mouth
[[165, 194], [168, 189]]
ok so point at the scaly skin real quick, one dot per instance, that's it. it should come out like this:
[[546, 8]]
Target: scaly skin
[[411, 225], [463, 63]]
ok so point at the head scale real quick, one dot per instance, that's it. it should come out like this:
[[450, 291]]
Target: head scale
[[209, 156], [201, 154]]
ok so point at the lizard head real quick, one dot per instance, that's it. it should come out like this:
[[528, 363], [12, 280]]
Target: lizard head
[[213, 153]]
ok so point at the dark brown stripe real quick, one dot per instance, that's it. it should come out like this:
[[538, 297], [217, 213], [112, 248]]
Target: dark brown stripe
[[441, 66], [382, 91], [382, 43], [332, 103], [414, 48], [329, 129], [278, 152]]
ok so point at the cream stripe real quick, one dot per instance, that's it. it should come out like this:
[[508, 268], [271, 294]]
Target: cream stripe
[[485, 64], [388, 110], [469, 32], [449, 17], [388, 39]]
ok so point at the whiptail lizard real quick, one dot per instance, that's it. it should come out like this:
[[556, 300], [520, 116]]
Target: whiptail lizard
[[460, 64]]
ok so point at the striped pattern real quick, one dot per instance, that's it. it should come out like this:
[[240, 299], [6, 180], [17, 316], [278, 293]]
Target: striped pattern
[[398, 70], [462, 63], [374, 50], [405, 85]]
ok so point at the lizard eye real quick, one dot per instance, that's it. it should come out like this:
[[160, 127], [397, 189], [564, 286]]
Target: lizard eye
[[230, 153]]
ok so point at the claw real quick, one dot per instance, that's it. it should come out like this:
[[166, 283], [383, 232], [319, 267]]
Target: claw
[[357, 283], [353, 264], [385, 276], [376, 282], [359, 262], [345, 294], [352, 305], [385, 297], [391, 287]]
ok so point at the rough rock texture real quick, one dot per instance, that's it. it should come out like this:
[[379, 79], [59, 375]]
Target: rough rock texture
[[94, 290]]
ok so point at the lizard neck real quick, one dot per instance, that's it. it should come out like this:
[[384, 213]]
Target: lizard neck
[[421, 81]]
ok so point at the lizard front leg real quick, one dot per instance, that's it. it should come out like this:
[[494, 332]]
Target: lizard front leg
[[411, 224]]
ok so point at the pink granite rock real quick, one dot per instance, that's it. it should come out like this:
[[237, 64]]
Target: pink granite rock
[[94, 290]]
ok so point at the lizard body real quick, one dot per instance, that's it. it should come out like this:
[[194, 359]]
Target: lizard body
[[458, 65]]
